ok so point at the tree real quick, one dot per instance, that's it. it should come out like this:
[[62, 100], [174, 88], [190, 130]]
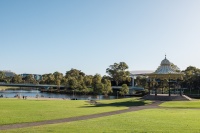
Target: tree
[[85, 89], [74, 73], [29, 79], [44, 79], [175, 67], [153, 84], [75, 80], [165, 84], [96, 84], [2, 76], [141, 81], [48, 79], [106, 87], [124, 90], [191, 76], [16, 79], [106, 77], [58, 77], [88, 80], [118, 72], [73, 83]]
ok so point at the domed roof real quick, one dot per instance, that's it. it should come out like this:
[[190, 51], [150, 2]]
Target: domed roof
[[166, 68], [165, 62]]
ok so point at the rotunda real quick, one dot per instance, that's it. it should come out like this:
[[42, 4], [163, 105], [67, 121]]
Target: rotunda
[[166, 67], [166, 71]]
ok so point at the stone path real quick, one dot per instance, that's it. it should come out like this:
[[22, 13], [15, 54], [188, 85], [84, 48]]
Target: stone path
[[78, 118]]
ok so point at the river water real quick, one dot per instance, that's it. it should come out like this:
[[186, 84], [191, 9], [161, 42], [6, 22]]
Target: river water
[[34, 93]]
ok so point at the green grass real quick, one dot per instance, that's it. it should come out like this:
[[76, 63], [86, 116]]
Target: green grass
[[182, 104], [145, 121], [19, 111]]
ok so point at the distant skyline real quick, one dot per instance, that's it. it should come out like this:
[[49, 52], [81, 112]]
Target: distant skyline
[[44, 36]]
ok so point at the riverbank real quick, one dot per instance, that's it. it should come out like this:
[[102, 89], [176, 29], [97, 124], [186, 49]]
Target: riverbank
[[39, 98], [37, 93], [8, 88]]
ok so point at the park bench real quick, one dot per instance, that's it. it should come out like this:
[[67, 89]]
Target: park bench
[[93, 102]]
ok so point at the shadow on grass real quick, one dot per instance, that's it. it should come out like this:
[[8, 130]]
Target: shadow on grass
[[118, 104]]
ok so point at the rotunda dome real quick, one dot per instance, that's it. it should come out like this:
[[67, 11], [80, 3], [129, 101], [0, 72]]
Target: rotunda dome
[[165, 62]]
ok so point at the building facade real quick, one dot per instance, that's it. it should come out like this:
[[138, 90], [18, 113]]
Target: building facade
[[35, 76]]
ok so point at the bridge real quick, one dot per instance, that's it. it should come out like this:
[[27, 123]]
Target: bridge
[[29, 85], [46, 86]]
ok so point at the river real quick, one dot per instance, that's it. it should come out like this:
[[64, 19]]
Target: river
[[34, 93]]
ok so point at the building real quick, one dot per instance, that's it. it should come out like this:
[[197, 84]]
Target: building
[[134, 74], [8, 73], [168, 73], [35, 76]]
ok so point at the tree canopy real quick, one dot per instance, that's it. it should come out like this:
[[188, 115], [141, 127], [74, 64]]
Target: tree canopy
[[118, 72], [124, 90]]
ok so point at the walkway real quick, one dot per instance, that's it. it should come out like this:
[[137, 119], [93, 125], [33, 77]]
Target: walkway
[[78, 118]]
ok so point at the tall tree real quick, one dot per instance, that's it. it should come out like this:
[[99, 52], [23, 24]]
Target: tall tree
[[74, 73], [2, 76], [96, 84], [118, 72], [58, 77], [75, 80]]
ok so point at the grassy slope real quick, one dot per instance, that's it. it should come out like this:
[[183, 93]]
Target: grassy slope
[[150, 120], [182, 104], [18, 111]]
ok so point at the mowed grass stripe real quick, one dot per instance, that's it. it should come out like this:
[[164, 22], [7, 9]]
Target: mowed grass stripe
[[19, 111], [182, 104], [149, 121]]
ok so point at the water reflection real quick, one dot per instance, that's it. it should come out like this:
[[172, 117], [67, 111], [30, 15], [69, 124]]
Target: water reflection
[[34, 93]]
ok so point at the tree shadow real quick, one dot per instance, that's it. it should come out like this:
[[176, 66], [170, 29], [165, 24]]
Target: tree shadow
[[117, 104]]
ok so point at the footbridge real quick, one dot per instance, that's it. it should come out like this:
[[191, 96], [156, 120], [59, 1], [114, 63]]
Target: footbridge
[[46, 86], [29, 85]]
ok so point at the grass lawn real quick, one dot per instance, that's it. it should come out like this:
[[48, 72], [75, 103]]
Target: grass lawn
[[19, 111], [182, 104], [145, 121]]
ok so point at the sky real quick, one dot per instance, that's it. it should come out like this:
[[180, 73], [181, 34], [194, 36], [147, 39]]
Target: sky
[[44, 36]]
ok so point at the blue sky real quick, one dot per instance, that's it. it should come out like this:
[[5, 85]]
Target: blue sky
[[44, 36]]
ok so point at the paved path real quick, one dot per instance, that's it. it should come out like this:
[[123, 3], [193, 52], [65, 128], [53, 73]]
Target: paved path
[[78, 118]]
